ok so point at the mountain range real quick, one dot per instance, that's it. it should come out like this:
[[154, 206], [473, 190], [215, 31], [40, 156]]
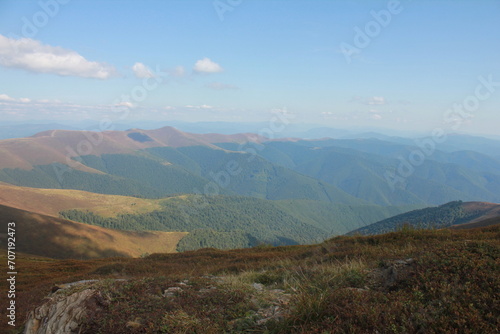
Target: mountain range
[[156, 163], [240, 190]]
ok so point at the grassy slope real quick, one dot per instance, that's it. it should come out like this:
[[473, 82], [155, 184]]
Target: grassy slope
[[453, 284], [58, 238], [490, 216], [51, 201], [488, 210], [481, 223]]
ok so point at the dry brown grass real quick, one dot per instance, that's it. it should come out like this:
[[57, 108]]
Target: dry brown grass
[[59, 238], [491, 210], [454, 285], [51, 201]]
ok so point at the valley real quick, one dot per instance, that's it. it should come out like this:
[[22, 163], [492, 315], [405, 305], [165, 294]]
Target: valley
[[236, 191], [242, 216]]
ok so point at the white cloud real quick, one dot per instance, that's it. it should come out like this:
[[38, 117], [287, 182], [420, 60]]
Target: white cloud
[[25, 108], [220, 86], [376, 117], [125, 104], [48, 101], [142, 71], [7, 98], [372, 101], [32, 55], [206, 65], [203, 106], [376, 100]]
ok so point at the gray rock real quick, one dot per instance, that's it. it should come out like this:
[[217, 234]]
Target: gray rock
[[62, 314], [171, 292]]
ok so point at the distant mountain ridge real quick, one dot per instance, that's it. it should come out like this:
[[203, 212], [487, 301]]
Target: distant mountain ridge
[[62, 145], [454, 214], [163, 162], [121, 165]]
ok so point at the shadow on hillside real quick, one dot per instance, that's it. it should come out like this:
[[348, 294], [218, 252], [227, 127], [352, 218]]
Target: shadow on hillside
[[46, 236]]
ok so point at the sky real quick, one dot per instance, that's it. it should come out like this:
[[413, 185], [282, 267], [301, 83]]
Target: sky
[[406, 65]]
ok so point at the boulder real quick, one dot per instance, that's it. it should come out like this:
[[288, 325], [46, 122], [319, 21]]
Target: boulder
[[63, 313]]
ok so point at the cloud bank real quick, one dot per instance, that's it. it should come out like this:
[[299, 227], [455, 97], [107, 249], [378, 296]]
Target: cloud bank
[[31, 55]]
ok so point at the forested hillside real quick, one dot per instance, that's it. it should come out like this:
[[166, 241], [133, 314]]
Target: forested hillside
[[239, 222], [450, 214], [149, 176], [370, 169]]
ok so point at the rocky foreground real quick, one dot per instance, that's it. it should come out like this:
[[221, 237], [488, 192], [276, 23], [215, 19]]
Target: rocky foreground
[[412, 281]]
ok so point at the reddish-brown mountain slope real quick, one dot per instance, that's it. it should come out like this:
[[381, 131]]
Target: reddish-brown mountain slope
[[489, 215], [61, 145], [59, 238], [51, 201]]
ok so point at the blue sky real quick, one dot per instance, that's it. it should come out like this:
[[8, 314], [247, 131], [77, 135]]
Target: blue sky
[[243, 60]]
